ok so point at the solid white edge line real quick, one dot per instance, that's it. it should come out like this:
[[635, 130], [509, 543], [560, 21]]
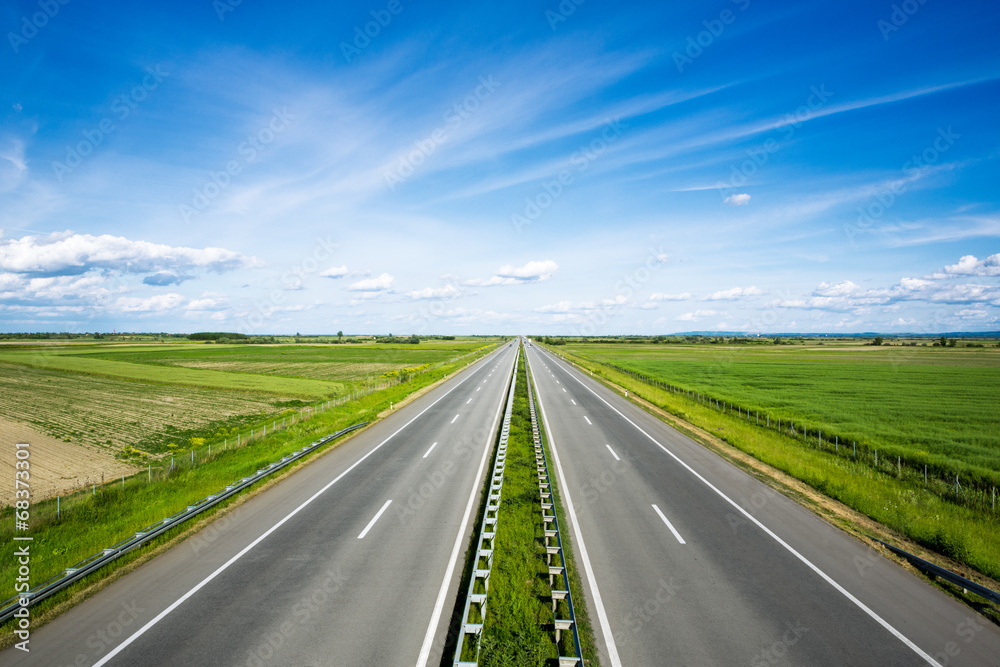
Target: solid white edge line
[[613, 453], [374, 519], [425, 649], [843, 591], [602, 615], [429, 451], [670, 525], [141, 631]]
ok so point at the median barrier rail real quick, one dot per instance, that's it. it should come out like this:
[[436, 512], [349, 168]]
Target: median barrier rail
[[479, 584]]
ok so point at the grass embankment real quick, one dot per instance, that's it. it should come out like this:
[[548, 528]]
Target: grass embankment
[[904, 505], [98, 521], [519, 620]]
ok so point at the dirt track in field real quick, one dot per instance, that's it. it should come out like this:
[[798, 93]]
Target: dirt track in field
[[55, 466]]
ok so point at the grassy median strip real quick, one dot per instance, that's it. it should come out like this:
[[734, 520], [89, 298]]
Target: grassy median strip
[[114, 513], [518, 629], [961, 533]]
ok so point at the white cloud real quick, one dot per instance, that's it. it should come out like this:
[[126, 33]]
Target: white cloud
[[660, 296], [532, 272], [334, 272], [968, 265], [208, 301], [733, 294], [695, 316], [738, 200], [446, 292], [66, 253], [157, 303], [845, 288], [380, 284]]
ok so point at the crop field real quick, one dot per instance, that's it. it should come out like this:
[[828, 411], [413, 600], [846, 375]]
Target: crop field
[[150, 396], [940, 403], [331, 363]]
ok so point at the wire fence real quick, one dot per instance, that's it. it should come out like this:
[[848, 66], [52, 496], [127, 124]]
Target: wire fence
[[972, 489]]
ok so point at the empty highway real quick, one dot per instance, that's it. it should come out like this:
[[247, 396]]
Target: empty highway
[[687, 560]]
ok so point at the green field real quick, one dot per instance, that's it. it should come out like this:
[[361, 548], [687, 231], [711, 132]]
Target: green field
[[150, 396], [940, 404]]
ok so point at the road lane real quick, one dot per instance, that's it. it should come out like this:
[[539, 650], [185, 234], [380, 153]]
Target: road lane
[[790, 589], [341, 563]]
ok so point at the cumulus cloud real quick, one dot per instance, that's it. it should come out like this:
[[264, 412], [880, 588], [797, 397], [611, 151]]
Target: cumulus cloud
[[738, 200], [532, 272], [436, 293], [968, 265], [379, 284], [733, 294], [334, 272], [66, 253], [848, 296]]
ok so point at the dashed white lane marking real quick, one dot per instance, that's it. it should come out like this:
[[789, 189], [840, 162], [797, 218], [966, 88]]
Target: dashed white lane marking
[[672, 529], [468, 401], [374, 519], [455, 419], [609, 449], [432, 448], [588, 420]]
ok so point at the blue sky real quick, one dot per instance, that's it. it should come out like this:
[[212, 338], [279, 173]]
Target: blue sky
[[592, 168]]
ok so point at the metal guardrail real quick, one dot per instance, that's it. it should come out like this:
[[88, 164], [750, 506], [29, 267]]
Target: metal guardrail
[[553, 542], [479, 585], [93, 563], [939, 571]]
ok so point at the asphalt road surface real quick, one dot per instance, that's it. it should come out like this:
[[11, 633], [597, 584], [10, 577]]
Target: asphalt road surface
[[355, 559], [687, 560]]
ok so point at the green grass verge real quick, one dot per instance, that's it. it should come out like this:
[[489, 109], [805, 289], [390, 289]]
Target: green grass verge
[[517, 610], [961, 533], [112, 514]]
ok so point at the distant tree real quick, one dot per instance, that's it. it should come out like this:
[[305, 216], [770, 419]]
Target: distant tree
[[340, 335], [414, 339], [942, 341], [951, 342], [877, 341]]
